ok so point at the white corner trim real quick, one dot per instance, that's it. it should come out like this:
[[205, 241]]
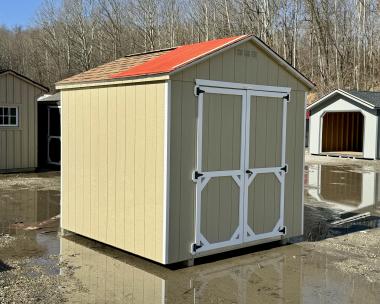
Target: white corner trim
[[166, 177], [344, 93], [61, 169], [242, 86], [303, 165]]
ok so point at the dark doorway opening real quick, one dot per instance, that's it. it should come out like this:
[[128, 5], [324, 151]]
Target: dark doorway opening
[[343, 132], [49, 135]]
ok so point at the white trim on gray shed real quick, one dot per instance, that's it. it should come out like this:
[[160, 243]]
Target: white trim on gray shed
[[340, 101]]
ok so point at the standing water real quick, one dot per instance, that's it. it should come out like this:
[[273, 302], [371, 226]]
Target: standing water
[[37, 265], [340, 200]]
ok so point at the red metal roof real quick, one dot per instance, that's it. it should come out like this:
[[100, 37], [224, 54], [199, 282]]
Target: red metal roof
[[177, 57]]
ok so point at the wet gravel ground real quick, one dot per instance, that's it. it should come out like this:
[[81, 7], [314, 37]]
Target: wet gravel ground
[[29, 257], [39, 266], [31, 181]]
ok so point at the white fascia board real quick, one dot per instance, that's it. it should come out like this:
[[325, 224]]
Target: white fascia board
[[241, 86], [343, 93], [113, 82]]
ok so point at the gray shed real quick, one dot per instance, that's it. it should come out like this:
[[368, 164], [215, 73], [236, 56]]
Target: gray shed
[[18, 121]]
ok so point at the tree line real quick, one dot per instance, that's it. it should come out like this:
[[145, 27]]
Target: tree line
[[334, 42]]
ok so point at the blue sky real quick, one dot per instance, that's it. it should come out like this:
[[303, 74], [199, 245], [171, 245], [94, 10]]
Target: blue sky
[[18, 12]]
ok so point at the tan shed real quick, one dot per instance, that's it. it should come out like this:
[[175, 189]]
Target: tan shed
[[184, 152], [18, 121]]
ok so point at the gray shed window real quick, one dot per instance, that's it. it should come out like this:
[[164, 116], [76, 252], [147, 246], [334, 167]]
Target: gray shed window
[[8, 116]]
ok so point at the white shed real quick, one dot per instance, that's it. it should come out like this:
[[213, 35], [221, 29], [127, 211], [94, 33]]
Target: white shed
[[345, 123]]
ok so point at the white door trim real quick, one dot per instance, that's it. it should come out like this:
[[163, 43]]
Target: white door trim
[[245, 176], [50, 137], [242, 86]]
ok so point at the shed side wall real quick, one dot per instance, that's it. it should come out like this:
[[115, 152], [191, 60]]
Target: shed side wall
[[18, 145], [229, 66], [112, 166]]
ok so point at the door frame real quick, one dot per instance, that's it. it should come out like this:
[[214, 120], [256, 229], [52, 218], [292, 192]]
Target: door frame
[[50, 137], [245, 91]]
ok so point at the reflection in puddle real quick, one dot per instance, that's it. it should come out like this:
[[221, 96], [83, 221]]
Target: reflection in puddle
[[340, 200], [290, 274], [23, 213], [298, 273], [24, 209]]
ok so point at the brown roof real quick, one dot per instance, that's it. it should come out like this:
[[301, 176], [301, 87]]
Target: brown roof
[[104, 72]]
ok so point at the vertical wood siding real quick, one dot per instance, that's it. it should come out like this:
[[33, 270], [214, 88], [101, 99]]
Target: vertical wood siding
[[18, 145], [112, 166], [232, 65]]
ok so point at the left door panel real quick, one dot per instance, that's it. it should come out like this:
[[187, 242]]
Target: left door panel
[[219, 173]]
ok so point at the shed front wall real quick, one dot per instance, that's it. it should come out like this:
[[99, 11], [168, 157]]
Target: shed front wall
[[245, 63], [112, 165], [18, 145], [340, 104]]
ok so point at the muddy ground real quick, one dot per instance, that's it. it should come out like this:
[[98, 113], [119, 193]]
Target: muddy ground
[[337, 261]]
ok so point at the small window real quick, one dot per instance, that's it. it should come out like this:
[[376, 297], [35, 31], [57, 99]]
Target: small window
[[8, 116]]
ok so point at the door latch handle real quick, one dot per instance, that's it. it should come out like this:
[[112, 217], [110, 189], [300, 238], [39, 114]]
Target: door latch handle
[[195, 247], [197, 175], [285, 169], [248, 172]]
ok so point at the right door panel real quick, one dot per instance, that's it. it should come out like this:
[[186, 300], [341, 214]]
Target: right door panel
[[265, 176], [265, 131]]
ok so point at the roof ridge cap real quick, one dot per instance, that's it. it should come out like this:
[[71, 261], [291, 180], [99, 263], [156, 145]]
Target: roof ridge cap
[[150, 52]]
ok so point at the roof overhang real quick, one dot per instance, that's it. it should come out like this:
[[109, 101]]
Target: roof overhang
[[342, 93], [113, 82]]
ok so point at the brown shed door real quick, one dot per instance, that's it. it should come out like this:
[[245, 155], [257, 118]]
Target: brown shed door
[[342, 131], [240, 174]]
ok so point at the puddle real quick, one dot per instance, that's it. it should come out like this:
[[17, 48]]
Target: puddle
[[340, 200], [26, 209], [53, 269], [290, 274]]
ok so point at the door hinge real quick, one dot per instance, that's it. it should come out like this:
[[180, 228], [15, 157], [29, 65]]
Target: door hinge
[[198, 91], [195, 247], [196, 175], [287, 97], [282, 230], [285, 168]]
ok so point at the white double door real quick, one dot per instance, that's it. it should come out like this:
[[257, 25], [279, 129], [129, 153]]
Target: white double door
[[240, 170]]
